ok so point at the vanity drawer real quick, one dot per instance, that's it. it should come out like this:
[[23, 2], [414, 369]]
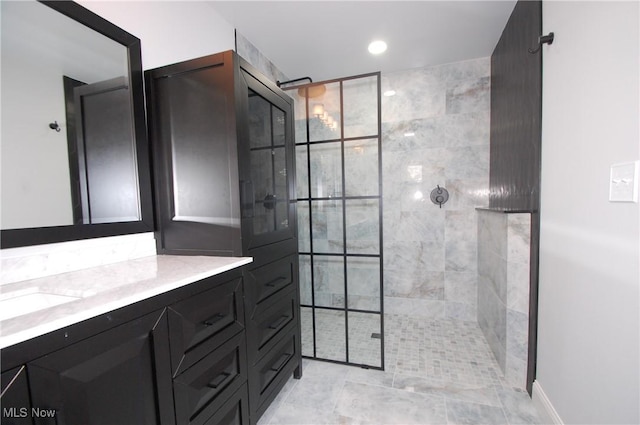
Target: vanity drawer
[[270, 322], [201, 390], [272, 371], [235, 411], [199, 324], [269, 279]]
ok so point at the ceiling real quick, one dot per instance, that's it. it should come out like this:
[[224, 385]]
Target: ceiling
[[329, 39]]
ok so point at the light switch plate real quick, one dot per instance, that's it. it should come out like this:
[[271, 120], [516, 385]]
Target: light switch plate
[[623, 184]]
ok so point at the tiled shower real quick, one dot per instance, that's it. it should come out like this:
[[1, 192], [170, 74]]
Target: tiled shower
[[435, 124], [435, 132], [439, 364]]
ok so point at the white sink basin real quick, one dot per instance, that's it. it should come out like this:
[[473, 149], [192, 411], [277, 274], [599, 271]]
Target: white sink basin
[[25, 302]]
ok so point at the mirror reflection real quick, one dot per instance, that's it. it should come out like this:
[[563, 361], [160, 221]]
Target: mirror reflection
[[68, 150]]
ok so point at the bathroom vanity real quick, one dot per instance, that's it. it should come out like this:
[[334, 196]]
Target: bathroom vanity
[[224, 162], [153, 340], [207, 333]]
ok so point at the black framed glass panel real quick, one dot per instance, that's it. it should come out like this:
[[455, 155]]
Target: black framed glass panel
[[268, 165], [339, 200]]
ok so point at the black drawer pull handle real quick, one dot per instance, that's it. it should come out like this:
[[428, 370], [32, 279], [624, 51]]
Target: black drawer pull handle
[[213, 320], [218, 380], [275, 325], [274, 282], [281, 362]]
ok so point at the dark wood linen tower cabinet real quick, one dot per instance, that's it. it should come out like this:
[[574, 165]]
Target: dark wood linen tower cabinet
[[223, 162]]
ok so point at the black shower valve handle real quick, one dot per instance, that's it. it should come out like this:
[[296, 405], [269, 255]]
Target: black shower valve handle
[[439, 195]]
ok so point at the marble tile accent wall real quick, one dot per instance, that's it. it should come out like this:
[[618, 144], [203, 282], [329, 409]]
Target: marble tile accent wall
[[31, 262], [503, 289], [251, 54], [435, 132]]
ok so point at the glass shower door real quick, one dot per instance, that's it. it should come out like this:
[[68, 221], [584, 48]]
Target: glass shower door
[[339, 203]]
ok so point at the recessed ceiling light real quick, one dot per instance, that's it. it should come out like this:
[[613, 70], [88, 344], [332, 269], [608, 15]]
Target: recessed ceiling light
[[389, 93], [377, 47]]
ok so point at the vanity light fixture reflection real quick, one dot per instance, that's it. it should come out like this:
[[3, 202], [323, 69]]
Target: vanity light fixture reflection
[[313, 91], [318, 110]]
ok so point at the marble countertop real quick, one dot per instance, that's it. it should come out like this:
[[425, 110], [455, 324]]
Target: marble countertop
[[90, 292]]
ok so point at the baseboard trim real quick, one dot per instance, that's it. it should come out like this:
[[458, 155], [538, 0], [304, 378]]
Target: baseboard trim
[[544, 406]]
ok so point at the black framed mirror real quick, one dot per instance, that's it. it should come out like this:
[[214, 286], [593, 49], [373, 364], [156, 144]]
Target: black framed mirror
[[75, 155]]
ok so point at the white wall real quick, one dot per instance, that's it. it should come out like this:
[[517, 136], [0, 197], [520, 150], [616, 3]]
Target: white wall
[[39, 46], [170, 31], [588, 346]]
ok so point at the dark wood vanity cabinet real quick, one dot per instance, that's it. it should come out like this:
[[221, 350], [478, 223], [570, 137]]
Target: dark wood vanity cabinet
[[174, 359], [223, 158], [273, 333], [119, 376], [109, 378], [209, 355]]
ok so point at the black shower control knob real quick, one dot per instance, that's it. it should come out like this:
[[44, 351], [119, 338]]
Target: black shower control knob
[[439, 196]]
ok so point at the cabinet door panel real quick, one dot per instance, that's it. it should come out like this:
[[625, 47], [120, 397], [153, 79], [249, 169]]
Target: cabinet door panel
[[265, 146], [203, 388], [16, 406], [201, 323], [191, 110], [224, 157], [108, 378]]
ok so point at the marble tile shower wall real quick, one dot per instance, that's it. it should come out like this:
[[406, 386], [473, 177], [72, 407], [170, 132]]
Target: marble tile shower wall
[[503, 289], [435, 132], [255, 57]]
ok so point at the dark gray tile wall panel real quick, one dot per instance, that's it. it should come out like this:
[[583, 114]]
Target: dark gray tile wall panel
[[516, 112], [516, 127]]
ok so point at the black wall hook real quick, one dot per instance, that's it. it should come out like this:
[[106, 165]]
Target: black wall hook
[[54, 126], [543, 39]]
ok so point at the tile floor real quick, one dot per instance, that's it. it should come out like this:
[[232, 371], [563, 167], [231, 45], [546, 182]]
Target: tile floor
[[437, 372], [331, 337]]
